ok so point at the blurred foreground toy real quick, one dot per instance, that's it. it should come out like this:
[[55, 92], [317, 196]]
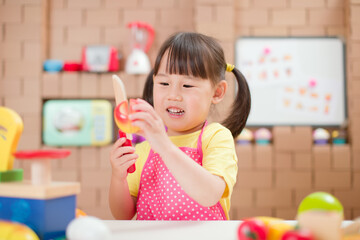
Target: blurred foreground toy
[[263, 228], [16, 231], [338, 137], [321, 136], [245, 137], [322, 214], [87, 228], [263, 136], [45, 206], [321, 201]]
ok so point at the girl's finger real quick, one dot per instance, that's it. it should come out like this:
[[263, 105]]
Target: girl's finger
[[123, 150]]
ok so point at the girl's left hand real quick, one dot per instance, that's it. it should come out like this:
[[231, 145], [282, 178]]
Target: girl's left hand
[[151, 125]]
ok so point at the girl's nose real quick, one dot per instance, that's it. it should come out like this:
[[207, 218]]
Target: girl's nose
[[174, 95]]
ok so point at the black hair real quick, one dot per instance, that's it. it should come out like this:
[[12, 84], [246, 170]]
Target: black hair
[[202, 56]]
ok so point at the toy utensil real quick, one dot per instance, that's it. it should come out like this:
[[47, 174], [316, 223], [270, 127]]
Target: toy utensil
[[120, 96]]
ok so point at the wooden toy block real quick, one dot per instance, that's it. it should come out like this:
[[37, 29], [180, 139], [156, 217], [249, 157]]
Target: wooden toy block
[[282, 138], [294, 17], [48, 218], [252, 17], [283, 160], [66, 17], [341, 158], [13, 175], [333, 179], [149, 16], [302, 138], [70, 84], [356, 180], [328, 17], [308, 30], [322, 157], [273, 198], [349, 198], [242, 198], [285, 213], [105, 17], [84, 4], [245, 155], [88, 85], [246, 212], [31, 87], [255, 179], [32, 50], [307, 4], [204, 13], [11, 51], [263, 157], [26, 189], [32, 14], [293, 179], [271, 31], [302, 161], [78, 35]]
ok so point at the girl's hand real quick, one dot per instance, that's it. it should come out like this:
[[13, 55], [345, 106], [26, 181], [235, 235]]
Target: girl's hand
[[151, 125], [121, 158]]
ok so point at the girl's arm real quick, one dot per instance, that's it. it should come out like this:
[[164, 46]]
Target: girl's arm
[[122, 205], [197, 182]]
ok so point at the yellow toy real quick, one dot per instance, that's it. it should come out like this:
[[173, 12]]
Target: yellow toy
[[11, 127], [16, 231]]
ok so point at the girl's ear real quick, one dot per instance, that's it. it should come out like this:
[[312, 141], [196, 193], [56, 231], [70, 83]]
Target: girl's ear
[[220, 90]]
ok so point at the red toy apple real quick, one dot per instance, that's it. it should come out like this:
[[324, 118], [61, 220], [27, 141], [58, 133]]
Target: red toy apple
[[298, 235], [252, 229], [121, 115]]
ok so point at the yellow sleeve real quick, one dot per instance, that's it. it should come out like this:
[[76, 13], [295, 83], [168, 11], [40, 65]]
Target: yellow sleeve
[[133, 179], [219, 156]]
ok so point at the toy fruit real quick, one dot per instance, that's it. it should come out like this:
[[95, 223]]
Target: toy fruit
[[121, 116], [320, 201], [301, 234], [252, 229], [132, 168], [16, 231], [277, 229]]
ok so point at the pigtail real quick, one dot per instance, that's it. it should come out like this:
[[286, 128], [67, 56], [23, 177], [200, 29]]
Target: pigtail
[[240, 109], [148, 88]]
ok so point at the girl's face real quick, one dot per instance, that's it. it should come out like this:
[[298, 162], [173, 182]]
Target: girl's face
[[183, 102]]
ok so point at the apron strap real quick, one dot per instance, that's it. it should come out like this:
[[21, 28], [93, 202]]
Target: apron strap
[[199, 142]]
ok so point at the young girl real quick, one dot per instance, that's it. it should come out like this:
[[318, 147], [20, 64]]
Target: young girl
[[186, 168]]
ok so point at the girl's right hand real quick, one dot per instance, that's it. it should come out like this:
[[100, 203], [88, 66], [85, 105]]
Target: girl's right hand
[[121, 158]]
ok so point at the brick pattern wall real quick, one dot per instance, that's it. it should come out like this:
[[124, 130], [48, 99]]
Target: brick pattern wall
[[272, 179]]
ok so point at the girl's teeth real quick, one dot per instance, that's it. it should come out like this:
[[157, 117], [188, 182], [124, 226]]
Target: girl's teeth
[[175, 111]]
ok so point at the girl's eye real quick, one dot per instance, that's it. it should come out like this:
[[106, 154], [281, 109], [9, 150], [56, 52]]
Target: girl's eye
[[187, 86], [164, 84]]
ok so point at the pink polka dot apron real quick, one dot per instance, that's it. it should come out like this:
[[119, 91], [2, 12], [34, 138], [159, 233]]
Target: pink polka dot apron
[[160, 196]]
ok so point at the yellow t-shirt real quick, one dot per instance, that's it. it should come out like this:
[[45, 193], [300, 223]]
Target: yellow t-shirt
[[219, 158]]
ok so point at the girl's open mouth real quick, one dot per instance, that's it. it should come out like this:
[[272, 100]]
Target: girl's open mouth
[[175, 111]]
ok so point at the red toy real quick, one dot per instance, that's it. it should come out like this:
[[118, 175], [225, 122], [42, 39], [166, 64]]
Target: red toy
[[132, 168]]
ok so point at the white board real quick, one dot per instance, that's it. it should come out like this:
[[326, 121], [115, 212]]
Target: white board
[[294, 81]]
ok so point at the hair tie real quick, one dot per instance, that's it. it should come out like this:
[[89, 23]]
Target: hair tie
[[229, 67]]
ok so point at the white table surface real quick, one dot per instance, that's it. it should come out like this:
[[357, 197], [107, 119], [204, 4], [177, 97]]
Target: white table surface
[[177, 230]]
